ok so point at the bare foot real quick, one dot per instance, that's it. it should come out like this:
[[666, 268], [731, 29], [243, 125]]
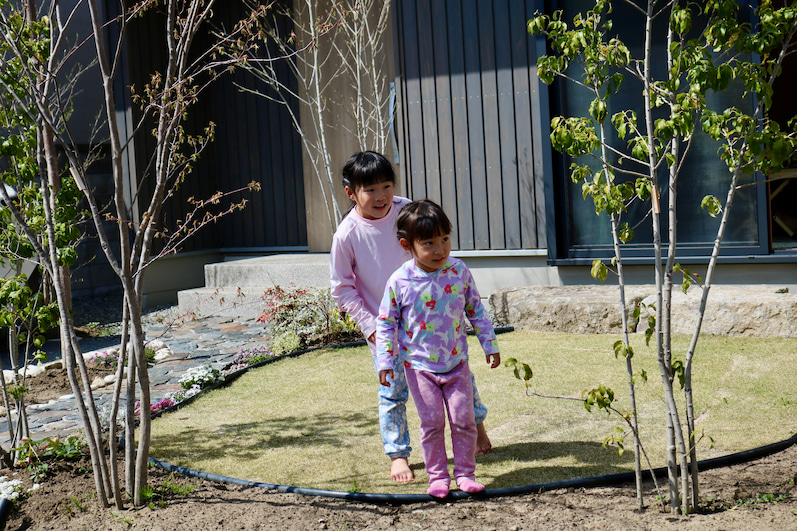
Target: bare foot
[[483, 444], [400, 470]]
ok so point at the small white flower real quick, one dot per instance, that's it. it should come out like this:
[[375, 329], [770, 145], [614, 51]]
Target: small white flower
[[201, 376], [10, 489]]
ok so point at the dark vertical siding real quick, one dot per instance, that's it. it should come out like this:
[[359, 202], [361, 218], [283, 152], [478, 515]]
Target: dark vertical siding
[[442, 86], [475, 128], [254, 141], [467, 81], [507, 214], [414, 97], [428, 100], [531, 200], [459, 111]]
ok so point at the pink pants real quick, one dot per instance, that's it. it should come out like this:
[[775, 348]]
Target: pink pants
[[433, 394]]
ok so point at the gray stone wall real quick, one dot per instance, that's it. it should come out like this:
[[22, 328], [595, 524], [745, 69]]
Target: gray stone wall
[[749, 310]]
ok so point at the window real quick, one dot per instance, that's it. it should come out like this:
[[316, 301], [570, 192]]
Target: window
[[587, 235]]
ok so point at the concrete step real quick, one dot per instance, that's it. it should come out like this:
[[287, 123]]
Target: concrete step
[[234, 288], [305, 269], [235, 302]]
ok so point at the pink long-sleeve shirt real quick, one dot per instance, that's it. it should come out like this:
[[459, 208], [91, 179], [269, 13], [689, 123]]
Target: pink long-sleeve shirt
[[427, 311], [365, 252]]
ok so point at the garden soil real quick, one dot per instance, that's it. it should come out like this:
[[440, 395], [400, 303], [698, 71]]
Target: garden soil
[[754, 495]]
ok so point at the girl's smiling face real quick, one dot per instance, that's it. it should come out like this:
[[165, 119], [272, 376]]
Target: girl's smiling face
[[430, 255], [373, 201]]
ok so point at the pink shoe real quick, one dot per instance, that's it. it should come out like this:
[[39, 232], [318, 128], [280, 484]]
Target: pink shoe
[[438, 489], [469, 486]]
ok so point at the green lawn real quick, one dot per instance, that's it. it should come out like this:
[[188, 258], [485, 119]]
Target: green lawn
[[312, 421]]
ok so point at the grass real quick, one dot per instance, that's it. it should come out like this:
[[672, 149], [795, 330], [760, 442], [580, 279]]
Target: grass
[[312, 422]]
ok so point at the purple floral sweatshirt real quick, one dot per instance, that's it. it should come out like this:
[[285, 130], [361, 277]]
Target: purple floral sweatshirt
[[427, 311]]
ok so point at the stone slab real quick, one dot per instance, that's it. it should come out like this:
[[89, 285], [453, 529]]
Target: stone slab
[[577, 309], [739, 310]]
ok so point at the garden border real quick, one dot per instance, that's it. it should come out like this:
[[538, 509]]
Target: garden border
[[397, 499]]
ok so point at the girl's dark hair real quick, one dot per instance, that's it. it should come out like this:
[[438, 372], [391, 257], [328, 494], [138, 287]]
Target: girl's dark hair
[[422, 220], [367, 168]]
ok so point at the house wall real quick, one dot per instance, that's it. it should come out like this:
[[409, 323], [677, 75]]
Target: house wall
[[477, 151], [341, 142], [493, 272], [469, 111]]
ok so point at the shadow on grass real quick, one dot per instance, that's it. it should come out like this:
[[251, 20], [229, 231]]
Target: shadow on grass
[[531, 463], [249, 440], [584, 458]]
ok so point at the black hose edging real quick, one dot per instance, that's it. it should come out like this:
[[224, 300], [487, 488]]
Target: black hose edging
[[6, 506], [397, 499]]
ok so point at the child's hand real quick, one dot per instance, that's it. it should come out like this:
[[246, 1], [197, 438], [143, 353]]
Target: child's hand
[[372, 338], [496, 360], [383, 377]]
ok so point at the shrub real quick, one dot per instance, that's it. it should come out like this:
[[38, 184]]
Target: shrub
[[184, 394], [309, 314], [10, 489], [284, 343]]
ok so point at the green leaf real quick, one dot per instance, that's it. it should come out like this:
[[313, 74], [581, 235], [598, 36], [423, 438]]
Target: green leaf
[[598, 110], [619, 348], [626, 233], [599, 270], [679, 371], [712, 205]]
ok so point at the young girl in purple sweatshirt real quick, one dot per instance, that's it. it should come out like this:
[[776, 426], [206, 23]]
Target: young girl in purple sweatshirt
[[421, 325]]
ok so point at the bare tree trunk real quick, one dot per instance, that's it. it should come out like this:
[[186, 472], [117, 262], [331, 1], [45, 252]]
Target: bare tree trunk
[[628, 364], [12, 340], [117, 391], [130, 416], [665, 363]]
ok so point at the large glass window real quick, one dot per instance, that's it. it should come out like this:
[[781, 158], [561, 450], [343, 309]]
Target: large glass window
[[703, 173]]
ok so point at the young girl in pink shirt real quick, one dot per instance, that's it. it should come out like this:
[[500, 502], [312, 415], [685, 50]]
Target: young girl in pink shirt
[[365, 252], [421, 328]]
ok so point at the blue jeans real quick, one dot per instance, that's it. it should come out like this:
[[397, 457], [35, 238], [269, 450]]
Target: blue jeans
[[393, 411]]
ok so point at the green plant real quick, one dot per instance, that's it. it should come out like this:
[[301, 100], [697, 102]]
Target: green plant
[[73, 505], [107, 359], [147, 493], [38, 471], [249, 356], [763, 498], [149, 354], [175, 488], [116, 517], [284, 343], [155, 496], [33, 454], [631, 151], [307, 313]]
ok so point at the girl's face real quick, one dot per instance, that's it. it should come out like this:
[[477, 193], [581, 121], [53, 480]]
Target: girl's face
[[374, 201], [430, 255]]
